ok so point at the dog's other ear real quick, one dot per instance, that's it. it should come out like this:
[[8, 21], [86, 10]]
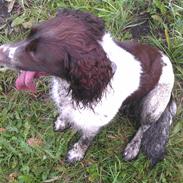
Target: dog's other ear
[[32, 32], [59, 12], [32, 45]]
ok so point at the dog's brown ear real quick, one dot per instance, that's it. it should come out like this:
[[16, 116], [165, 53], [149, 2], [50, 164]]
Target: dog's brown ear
[[32, 45]]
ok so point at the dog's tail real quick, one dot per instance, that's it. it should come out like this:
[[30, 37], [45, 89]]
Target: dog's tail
[[156, 137]]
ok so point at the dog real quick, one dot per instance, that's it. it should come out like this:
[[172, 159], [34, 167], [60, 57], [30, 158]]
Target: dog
[[94, 77]]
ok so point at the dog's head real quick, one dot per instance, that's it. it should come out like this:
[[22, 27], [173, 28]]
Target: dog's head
[[51, 44], [65, 46]]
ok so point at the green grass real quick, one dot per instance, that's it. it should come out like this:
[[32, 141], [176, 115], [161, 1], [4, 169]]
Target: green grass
[[25, 116]]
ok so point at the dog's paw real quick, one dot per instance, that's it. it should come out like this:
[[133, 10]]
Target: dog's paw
[[131, 151], [60, 125], [75, 154]]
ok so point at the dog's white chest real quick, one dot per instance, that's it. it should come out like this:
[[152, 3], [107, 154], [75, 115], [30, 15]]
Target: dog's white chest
[[122, 85]]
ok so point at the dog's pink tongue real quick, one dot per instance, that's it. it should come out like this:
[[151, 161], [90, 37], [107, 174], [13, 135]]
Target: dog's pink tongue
[[25, 81]]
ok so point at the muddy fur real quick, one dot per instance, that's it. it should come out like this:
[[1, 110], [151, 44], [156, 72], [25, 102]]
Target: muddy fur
[[156, 137]]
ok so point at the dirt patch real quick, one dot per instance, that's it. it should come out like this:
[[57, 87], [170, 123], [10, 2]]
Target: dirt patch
[[5, 16], [142, 28], [3, 12]]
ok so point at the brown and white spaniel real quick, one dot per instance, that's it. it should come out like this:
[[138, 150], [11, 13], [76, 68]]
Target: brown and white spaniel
[[94, 77]]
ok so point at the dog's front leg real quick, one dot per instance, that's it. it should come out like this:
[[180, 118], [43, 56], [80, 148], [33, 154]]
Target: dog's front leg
[[61, 124], [78, 150]]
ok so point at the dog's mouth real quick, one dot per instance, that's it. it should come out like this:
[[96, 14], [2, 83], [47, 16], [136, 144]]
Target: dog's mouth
[[25, 80]]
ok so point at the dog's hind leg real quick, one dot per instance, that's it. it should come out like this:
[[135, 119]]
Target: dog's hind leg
[[152, 108], [153, 136], [156, 137], [133, 148]]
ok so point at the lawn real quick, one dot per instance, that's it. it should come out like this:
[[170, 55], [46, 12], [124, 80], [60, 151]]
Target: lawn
[[30, 152]]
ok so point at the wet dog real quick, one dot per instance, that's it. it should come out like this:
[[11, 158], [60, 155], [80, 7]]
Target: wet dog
[[95, 77]]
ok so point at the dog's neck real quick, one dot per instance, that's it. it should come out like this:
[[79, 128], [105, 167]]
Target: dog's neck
[[127, 68], [112, 49], [117, 55]]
